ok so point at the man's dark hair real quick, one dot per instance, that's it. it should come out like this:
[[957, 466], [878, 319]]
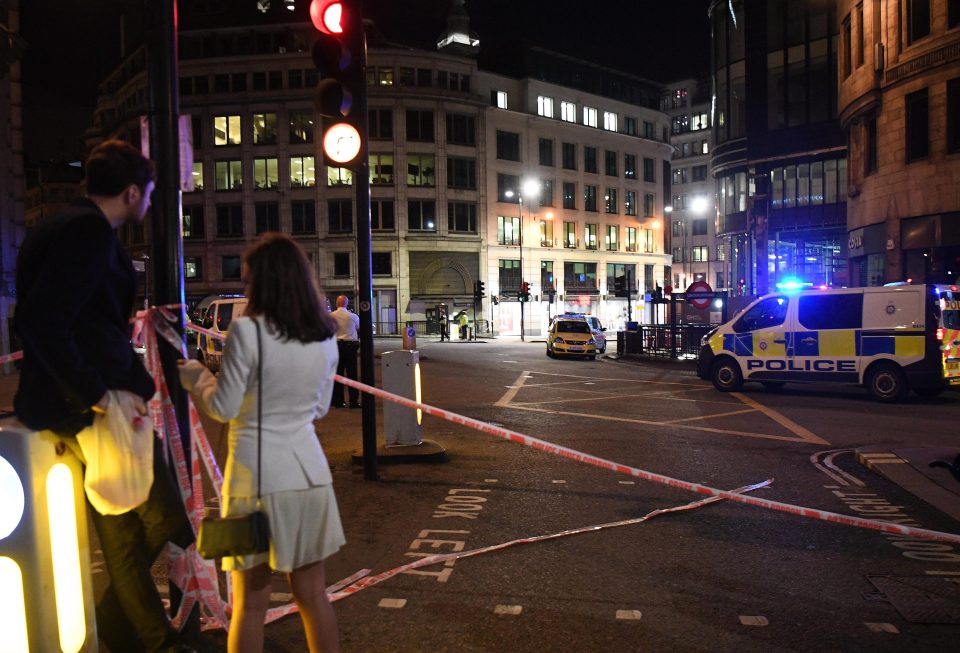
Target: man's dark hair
[[281, 287], [113, 165]]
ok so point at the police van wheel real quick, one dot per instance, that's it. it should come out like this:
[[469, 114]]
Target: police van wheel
[[726, 375], [887, 383]]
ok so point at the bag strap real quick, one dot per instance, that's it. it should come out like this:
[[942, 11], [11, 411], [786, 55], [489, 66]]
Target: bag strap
[[259, 405]]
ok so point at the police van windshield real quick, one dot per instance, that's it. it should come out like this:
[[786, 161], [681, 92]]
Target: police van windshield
[[764, 314]]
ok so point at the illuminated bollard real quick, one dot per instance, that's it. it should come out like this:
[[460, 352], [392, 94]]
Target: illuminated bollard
[[46, 594], [401, 376]]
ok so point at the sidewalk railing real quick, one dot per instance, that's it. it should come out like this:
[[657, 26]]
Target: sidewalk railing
[[662, 340]]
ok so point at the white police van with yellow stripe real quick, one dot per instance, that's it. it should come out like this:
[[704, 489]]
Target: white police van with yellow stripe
[[891, 339]]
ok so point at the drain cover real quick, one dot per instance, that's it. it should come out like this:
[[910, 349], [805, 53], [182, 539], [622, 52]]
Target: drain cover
[[922, 599]]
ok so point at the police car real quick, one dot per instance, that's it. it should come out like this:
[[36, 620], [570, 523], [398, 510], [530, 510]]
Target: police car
[[890, 339], [571, 337], [596, 328], [217, 318]]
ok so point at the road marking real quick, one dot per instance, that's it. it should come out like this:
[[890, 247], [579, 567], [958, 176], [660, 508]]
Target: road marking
[[830, 469], [782, 420], [803, 435], [611, 418], [512, 392], [629, 615], [881, 628], [942, 573], [757, 620], [618, 397], [490, 480], [393, 604], [699, 417], [557, 481], [880, 458], [508, 609], [627, 482], [281, 597]]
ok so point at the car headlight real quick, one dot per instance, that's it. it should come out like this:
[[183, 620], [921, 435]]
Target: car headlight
[[706, 337], [591, 341], [558, 339]]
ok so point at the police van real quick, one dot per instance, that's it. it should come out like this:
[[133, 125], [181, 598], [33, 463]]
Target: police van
[[890, 339], [217, 318]]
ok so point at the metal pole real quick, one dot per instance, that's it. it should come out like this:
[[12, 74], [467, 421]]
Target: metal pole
[[365, 273], [165, 216], [167, 245], [522, 300]]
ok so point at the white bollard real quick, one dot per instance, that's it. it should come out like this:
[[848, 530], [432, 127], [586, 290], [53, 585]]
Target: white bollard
[[46, 593], [401, 375]]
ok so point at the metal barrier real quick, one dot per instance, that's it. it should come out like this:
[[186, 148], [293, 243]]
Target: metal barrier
[[662, 340]]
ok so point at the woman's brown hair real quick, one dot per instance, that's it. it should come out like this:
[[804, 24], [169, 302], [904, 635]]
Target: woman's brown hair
[[281, 288]]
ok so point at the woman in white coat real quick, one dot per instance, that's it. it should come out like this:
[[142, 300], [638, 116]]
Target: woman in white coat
[[299, 351]]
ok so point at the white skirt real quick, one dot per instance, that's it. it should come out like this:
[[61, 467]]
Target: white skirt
[[304, 528]]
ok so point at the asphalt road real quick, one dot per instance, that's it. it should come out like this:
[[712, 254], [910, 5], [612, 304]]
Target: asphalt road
[[722, 577]]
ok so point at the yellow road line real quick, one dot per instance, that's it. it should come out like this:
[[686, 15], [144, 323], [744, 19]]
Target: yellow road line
[[782, 420], [628, 420], [508, 396], [693, 419]]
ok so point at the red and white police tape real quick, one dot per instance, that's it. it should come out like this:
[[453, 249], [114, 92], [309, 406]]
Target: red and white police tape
[[536, 443]]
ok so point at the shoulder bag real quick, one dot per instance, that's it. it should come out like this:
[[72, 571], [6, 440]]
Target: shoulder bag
[[244, 534]]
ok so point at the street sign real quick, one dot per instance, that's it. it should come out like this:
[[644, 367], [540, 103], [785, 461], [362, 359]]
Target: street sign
[[699, 294]]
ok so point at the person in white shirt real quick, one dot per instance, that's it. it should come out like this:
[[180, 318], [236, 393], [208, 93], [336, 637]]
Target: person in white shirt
[[348, 344]]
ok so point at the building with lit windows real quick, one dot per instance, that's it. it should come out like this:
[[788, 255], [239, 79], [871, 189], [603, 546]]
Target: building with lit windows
[[594, 157], [779, 158], [899, 100], [698, 255], [447, 141]]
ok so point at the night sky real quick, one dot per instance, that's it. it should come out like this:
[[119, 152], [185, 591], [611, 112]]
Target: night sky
[[72, 45]]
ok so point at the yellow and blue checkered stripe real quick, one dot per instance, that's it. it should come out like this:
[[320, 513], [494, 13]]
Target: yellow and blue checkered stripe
[[833, 343]]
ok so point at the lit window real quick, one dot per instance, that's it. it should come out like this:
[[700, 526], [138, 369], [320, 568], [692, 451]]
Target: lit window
[[610, 121], [589, 116], [198, 175], [545, 106], [568, 111], [500, 98], [265, 175], [302, 172], [226, 130], [339, 176]]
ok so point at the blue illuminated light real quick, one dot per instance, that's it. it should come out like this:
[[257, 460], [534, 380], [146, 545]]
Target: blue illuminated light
[[791, 283]]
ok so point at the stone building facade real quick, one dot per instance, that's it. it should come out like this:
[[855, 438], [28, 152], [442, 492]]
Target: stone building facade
[[899, 101]]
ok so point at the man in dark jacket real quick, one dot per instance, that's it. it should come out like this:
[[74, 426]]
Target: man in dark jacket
[[75, 293]]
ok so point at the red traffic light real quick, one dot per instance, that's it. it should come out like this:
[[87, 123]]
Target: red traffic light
[[327, 16]]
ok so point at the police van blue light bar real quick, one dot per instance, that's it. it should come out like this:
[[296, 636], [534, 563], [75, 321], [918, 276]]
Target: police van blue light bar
[[793, 284]]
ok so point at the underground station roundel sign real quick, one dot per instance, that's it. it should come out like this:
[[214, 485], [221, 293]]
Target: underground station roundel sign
[[699, 294]]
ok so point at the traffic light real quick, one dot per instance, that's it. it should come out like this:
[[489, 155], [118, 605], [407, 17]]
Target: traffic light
[[478, 290], [524, 291], [341, 94]]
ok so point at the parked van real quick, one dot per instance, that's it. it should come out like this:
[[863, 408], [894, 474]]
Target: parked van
[[596, 328], [890, 339], [217, 318]]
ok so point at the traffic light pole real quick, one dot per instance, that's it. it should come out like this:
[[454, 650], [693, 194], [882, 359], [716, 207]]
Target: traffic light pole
[[165, 235], [522, 300], [365, 267]]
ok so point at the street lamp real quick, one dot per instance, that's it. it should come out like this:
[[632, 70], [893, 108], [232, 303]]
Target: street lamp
[[531, 189]]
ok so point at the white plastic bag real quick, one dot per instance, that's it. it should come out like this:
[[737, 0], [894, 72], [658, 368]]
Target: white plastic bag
[[118, 448]]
